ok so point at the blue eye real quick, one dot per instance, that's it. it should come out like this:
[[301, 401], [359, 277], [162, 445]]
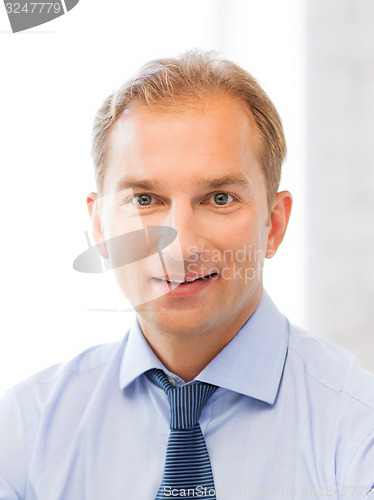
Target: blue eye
[[222, 198], [142, 199]]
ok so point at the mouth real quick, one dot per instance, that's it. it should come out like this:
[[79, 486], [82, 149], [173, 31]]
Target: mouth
[[189, 280], [191, 287]]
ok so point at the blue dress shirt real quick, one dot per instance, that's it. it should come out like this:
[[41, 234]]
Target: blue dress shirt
[[293, 418]]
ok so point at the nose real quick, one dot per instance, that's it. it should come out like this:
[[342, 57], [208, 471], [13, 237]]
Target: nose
[[189, 243]]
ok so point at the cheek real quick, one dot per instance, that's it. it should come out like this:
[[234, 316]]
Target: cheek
[[235, 234], [243, 247], [133, 280], [117, 223]]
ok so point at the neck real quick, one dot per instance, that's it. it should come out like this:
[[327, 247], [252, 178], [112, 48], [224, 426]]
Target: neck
[[187, 356]]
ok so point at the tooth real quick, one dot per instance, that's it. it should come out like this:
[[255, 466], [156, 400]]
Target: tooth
[[185, 281]]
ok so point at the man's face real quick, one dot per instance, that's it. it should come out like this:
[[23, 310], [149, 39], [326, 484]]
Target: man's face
[[203, 179]]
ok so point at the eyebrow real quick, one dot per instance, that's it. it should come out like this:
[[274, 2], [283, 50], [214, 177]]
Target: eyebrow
[[156, 184]]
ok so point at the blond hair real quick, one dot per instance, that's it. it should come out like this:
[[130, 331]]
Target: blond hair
[[187, 79]]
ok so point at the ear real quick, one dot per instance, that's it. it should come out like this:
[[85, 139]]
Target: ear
[[279, 217], [92, 201]]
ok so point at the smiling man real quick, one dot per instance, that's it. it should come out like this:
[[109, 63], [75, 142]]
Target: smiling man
[[212, 393], [198, 163]]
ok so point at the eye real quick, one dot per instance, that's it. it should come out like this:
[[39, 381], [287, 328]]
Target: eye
[[142, 199], [222, 198]]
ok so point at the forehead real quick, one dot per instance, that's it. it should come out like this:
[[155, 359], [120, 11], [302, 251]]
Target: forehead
[[217, 136]]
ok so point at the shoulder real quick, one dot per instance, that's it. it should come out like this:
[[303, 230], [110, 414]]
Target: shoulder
[[339, 398], [331, 366], [65, 390], [76, 375], [85, 368]]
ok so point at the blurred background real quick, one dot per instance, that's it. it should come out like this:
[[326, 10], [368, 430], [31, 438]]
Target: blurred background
[[315, 59]]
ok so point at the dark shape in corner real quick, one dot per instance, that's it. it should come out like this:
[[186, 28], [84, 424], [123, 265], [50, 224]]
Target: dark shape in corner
[[23, 16], [70, 4]]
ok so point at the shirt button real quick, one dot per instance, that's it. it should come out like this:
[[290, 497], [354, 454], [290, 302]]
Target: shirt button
[[172, 381]]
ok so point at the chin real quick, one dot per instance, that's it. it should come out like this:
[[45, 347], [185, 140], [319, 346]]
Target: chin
[[177, 324]]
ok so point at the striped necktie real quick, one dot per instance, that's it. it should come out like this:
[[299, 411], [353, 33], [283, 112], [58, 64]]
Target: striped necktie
[[187, 467]]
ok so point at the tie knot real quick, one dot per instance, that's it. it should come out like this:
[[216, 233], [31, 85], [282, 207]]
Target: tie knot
[[186, 403]]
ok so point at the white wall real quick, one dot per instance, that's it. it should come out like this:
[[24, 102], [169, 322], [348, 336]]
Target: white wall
[[53, 79], [341, 173]]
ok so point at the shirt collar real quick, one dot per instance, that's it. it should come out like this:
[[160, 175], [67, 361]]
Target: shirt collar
[[251, 363]]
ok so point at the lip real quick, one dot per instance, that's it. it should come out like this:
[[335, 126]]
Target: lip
[[192, 289], [184, 277]]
